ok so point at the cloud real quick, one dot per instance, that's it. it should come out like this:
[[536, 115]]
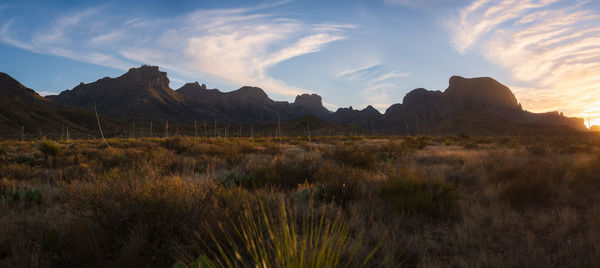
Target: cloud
[[418, 3], [378, 87], [236, 46], [551, 49], [358, 72], [46, 93], [390, 75]]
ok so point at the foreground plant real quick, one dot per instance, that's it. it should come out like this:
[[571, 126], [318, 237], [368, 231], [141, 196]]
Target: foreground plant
[[260, 239]]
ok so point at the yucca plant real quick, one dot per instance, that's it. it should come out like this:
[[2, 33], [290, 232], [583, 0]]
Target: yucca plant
[[260, 239]]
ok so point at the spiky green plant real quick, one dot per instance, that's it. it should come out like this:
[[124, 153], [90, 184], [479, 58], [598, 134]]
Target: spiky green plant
[[261, 239]]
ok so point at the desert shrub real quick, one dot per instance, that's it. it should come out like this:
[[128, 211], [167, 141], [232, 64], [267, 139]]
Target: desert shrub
[[415, 143], [49, 148], [178, 144], [24, 160], [415, 195], [340, 184], [233, 180], [352, 155], [537, 149], [529, 184], [114, 158], [392, 150], [14, 195], [281, 239], [584, 179], [140, 216], [284, 172], [18, 172]]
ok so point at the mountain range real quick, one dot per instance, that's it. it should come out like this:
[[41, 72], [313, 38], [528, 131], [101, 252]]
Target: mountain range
[[477, 105]]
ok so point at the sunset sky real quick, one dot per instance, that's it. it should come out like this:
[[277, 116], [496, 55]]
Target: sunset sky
[[350, 52]]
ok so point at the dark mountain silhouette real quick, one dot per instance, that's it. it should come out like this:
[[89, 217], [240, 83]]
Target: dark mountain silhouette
[[368, 118], [22, 109], [140, 93], [478, 105], [11, 88]]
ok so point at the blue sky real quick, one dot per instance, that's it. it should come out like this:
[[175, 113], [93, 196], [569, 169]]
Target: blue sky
[[350, 52]]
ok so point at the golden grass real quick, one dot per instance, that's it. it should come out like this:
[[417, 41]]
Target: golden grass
[[432, 201]]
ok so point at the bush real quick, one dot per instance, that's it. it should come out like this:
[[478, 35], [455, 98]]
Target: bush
[[352, 155], [537, 149], [29, 196], [284, 173], [418, 143], [340, 184], [178, 144], [233, 180], [415, 195], [49, 148], [528, 184]]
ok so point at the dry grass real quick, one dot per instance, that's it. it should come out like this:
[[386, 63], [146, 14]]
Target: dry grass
[[422, 202]]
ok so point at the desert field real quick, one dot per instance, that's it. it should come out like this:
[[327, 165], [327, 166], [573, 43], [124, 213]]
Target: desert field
[[330, 201]]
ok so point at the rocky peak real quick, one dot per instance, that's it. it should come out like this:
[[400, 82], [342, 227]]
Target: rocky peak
[[251, 92], [421, 96], [480, 92], [371, 110], [308, 100], [192, 86], [147, 74]]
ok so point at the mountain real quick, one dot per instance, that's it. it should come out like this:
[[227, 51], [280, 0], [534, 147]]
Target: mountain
[[11, 88], [475, 105], [368, 118], [595, 128], [144, 93], [24, 112], [472, 105], [138, 94]]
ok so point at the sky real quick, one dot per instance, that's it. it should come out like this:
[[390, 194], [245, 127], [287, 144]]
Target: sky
[[352, 53]]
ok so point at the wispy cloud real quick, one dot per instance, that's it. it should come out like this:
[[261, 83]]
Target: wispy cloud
[[418, 3], [237, 46], [358, 72], [550, 46], [390, 75], [377, 84]]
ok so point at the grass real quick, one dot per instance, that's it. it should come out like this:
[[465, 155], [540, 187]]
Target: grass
[[334, 201]]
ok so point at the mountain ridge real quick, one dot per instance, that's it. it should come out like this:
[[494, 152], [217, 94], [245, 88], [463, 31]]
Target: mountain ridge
[[144, 93]]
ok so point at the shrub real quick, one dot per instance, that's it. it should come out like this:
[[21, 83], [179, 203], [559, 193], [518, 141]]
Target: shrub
[[528, 184], [29, 196], [178, 144], [25, 160], [352, 155], [415, 195], [140, 216], [413, 144], [49, 148], [232, 180], [284, 173], [341, 184], [537, 149]]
